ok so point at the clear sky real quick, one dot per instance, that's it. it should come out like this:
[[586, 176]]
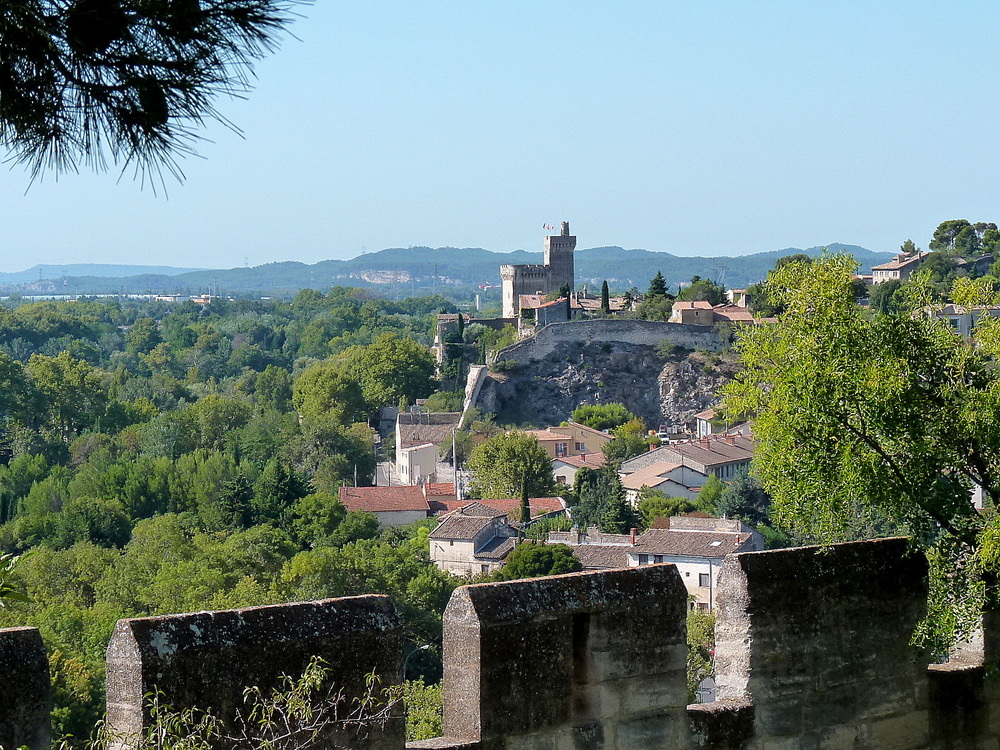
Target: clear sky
[[685, 127]]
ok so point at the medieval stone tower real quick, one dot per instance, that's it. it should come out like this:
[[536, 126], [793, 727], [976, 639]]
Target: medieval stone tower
[[529, 279]]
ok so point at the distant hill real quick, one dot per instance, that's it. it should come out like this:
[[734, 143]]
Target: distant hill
[[409, 271], [74, 270]]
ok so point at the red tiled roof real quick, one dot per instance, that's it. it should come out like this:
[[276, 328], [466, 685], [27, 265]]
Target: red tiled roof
[[695, 305], [688, 543], [707, 414], [384, 499], [602, 556], [512, 506], [459, 527], [586, 460], [440, 488], [439, 505]]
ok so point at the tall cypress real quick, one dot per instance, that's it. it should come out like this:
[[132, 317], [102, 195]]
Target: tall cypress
[[605, 298]]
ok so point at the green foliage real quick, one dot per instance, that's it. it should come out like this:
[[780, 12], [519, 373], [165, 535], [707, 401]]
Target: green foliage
[[630, 440], [871, 425], [602, 416], [392, 368], [654, 504], [9, 591], [703, 289], [745, 499], [445, 401], [962, 238], [657, 286], [530, 560], [710, 493], [605, 298], [701, 645], [511, 464], [600, 501], [424, 710], [325, 391], [886, 297]]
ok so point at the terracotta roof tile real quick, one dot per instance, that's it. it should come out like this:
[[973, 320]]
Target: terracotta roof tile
[[383, 499], [602, 556], [688, 543], [457, 526]]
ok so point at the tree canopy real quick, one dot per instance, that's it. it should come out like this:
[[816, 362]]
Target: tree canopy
[[869, 425], [97, 81], [511, 464]]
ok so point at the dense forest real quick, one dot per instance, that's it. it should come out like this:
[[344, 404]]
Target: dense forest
[[159, 457]]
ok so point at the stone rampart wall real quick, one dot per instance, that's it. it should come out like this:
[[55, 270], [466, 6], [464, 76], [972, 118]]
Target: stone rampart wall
[[813, 651], [640, 332]]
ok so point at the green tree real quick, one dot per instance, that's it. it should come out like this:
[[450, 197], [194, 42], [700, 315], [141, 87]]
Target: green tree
[[530, 560], [657, 286], [605, 298], [511, 465], [142, 336], [602, 416], [703, 289], [100, 82], [630, 440], [600, 501], [887, 298], [654, 504], [391, 369], [324, 391], [710, 493], [70, 394], [745, 499], [874, 425]]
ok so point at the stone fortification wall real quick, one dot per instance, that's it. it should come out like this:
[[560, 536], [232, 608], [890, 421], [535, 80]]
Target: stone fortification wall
[[206, 660], [818, 641], [637, 332], [813, 651], [581, 660], [25, 691]]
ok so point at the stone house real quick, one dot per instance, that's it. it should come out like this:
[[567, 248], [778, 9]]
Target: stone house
[[471, 543], [671, 478], [965, 319], [393, 506], [697, 545], [564, 468], [477, 537], [571, 439], [418, 437], [723, 455], [899, 268], [697, 313]]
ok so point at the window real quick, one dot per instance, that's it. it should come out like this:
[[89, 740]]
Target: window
[[704, 580], [561, 449], [484, 568], [451, 542], [658, 558], [644, 559], [580, 446]]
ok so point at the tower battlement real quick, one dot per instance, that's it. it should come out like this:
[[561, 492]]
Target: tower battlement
[[557, 271]]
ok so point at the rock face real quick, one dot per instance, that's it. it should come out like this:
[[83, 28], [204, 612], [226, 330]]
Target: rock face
[[662, 387]]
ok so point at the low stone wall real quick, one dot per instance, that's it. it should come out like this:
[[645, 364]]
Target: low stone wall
[[818, 640], [206, 660], [25, 691], [639, 332], [813, 651], [580, 660]]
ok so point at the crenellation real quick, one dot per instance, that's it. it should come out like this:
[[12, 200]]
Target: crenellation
[[813, 644]]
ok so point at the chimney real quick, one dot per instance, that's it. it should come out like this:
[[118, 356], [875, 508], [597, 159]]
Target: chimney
[[632, 533], [731, 439]]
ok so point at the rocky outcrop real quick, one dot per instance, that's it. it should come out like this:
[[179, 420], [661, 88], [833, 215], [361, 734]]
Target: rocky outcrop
[[663, 384]]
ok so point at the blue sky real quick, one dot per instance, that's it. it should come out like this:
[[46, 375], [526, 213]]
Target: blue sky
[[684, 127]]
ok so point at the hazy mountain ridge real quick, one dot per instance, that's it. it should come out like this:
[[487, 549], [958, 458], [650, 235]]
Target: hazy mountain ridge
[[413, 270]]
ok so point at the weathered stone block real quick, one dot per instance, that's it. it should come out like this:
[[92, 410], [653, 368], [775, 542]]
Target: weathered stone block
[[207, 659], [909, 732], [723, 725], [545, 654], [25, 690], [820, 637]]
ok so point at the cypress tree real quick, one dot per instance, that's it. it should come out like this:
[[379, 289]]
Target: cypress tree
[[605, 298]]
